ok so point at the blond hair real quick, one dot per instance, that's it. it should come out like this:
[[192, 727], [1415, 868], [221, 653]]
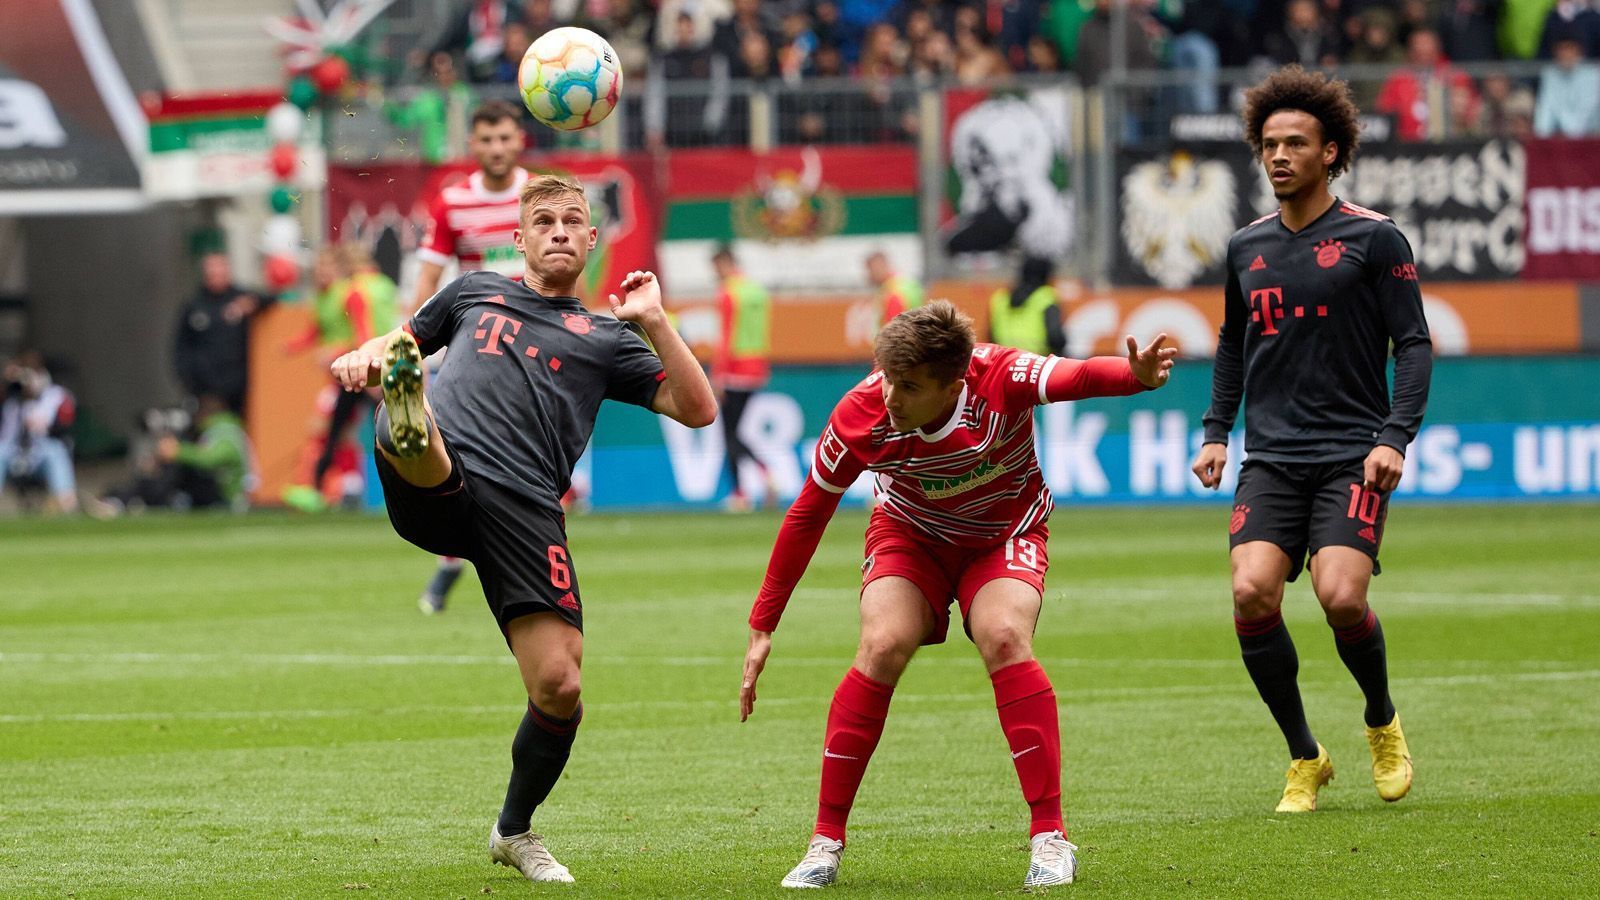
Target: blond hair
[[549, 187]]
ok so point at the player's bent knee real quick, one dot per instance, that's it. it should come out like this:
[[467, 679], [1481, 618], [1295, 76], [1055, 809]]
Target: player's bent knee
[[1003, 646], [557, 691], [884, 656], [1343, 604], [1256, 597]]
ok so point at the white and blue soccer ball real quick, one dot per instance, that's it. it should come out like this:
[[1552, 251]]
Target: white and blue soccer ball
[[570, 78]]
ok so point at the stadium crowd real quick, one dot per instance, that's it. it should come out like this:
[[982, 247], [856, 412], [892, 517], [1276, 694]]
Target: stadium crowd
[[789, 42]]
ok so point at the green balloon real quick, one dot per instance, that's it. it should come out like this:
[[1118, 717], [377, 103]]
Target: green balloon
[[282, 200], [302, 92]]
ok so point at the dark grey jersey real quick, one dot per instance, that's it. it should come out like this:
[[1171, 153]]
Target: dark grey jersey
[[519, 390], [1310, 317]]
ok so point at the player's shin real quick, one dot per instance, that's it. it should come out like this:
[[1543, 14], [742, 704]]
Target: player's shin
[[1274, 666], [538, 754], [1362, 648], [1026, 702], [855, 723]]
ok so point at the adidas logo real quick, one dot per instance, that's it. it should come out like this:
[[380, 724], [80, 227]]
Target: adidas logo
[[568, 601], [1258, 265], [1368, 534]]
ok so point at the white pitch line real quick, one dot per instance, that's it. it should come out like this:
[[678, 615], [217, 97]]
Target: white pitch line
[[731, 703]]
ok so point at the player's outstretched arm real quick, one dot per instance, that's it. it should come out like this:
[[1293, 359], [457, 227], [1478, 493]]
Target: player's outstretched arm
[[1107, 376], [359, 369], [797, 542], [1152, 365], [686, 395]]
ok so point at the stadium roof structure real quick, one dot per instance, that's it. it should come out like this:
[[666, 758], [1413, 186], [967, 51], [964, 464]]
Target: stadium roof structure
[[72, 135]]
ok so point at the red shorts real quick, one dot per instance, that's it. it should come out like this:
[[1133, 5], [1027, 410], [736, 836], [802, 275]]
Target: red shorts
[[945, 572]]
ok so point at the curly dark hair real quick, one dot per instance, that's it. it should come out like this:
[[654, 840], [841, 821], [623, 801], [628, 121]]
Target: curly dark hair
[[1325, 99]]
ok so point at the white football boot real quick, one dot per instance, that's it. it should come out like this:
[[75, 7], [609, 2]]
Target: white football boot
[[525, 852], [819, 867], [1054, 862]]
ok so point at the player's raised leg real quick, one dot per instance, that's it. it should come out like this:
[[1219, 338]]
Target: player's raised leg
[[549, 654], [1002, 618], [406, 433], [1341, 576], [894, 620], [1260, 569]]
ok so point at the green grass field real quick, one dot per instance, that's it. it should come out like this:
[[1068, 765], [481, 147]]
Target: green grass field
[[217, 707]]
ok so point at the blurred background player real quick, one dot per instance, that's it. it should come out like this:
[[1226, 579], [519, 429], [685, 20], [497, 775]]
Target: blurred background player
[[1316, 293], [741, 366], [211, 348], [1028, 315], [34, 421], [896, 293], [946, 427], [354, 302], [472, 223], [477, 469]]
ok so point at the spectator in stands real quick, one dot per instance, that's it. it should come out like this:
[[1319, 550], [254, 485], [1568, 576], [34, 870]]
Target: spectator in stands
[[703, 18], [1569, 90], [1306, 38], [517, 38], [437, 113], [1193, 50], [938, 15], [630, 29], [1507, 109], [1013, 23], [1093, 58], [933, 59], [1571, 20], [478, 33], [797, 43], [34, 420], [1412, 15], [977, 63], [212, 346], [825, 24], [1044, 55], [748, 18], [1375, 47], [883, 54], [1063, 22], [755, 58], [856, 17], [1467, 28], [690, 119], [1406, 93]]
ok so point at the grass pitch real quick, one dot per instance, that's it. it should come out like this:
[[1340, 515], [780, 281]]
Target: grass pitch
[[222, 707]]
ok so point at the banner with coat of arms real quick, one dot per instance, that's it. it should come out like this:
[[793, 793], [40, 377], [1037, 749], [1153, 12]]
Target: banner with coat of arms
[[799, 218]]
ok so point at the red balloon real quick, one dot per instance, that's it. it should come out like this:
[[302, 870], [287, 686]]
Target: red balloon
[[280, 272], [284, 160], [330, 74]]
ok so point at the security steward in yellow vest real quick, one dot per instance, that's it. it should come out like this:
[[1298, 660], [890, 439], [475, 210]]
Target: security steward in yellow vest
[[1028, 316]]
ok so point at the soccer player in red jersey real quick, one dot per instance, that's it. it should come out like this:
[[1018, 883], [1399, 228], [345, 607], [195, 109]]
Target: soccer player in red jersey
[[472, 221], [945, 425]]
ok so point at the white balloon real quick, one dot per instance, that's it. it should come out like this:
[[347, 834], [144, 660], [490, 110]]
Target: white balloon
[[284, 123], [281, 235]]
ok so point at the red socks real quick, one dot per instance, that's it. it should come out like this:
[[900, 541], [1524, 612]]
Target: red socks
[[1027, 705], [855, 722]]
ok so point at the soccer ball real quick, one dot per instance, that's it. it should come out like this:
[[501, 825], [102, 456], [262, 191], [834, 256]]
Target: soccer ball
[[570, 78]]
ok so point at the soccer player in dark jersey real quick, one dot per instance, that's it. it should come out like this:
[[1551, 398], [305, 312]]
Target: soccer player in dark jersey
[[946, 427], [1316, 294], [477, 469]]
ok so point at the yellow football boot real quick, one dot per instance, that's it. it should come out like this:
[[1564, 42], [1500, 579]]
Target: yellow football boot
[[1391, 760], [1305, 777]]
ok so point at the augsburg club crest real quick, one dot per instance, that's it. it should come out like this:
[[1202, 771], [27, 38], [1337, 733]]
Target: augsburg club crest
[[789, 205]]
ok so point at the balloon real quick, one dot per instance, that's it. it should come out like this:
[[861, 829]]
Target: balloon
[[281, 236], [282, 200], [330, 73], [280, 271], [284, 160], [302, 92], [284, 122]]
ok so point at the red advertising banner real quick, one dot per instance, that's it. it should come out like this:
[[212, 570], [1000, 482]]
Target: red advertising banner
[[1563, 210], [385, 207]]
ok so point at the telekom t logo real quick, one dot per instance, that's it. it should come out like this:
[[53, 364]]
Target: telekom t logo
[[1267, 308], [496, 332]]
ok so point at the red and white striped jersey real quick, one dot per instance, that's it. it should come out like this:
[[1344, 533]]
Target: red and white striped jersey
[[473, 224], [973, 482]]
